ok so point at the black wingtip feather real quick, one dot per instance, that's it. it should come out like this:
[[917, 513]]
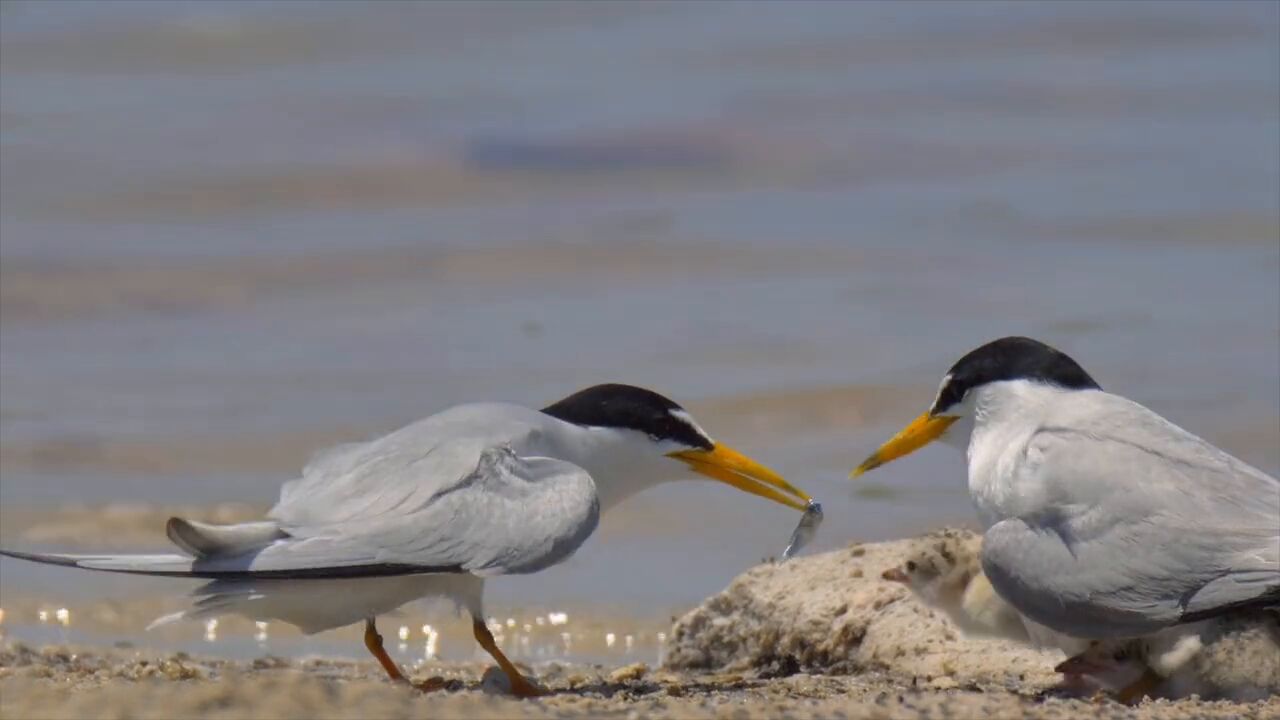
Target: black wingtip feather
[[329, 573], [38, 558], [1269, 599]]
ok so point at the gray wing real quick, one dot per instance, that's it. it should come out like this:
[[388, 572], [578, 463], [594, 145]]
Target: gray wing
[[510, 514], [406, 469], [464, 491], [1143, 526]]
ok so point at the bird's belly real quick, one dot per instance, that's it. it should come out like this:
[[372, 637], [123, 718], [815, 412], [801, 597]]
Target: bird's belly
[[318, 605]]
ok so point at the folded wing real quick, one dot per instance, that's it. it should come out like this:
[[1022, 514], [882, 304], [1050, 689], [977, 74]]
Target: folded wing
[[1147, 526], [507, 514]]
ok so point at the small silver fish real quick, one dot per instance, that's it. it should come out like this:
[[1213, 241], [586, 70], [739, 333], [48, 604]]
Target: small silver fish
[[805, 530]]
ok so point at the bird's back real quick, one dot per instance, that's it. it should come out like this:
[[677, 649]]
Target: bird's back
[[407, 467], [1129, 523], [1099, 445]]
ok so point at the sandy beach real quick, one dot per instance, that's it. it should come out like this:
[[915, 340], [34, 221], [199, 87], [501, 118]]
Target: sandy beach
[[235, 234], [818, 636], [65, 683]]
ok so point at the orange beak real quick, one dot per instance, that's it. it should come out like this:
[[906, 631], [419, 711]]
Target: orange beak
[[731, 467], [922, 431]]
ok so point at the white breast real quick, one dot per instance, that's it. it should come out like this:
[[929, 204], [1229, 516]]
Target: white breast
[[991, 477], [1001, 468]]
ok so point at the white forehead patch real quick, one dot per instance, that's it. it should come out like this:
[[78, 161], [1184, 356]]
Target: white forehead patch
[[938, 395], [687, 419]]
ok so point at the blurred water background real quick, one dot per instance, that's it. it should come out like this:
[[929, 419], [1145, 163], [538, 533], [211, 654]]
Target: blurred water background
[[233, 233]]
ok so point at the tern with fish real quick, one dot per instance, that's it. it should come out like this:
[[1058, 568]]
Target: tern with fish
[[436, 507]]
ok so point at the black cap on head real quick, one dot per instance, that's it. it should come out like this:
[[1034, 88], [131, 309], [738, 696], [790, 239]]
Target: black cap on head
[[631, 408], [1011, 358]]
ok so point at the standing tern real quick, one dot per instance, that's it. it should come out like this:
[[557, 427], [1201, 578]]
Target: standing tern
[[434, 508], [1102, 518]]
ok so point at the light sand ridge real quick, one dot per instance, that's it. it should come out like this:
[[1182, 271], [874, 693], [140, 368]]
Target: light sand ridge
[[818, 636]]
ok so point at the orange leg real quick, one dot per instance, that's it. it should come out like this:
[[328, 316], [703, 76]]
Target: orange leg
[[1138, 689], [373, 641], [520, 687]]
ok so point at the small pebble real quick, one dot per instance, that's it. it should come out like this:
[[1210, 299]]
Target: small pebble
[[629, 673]]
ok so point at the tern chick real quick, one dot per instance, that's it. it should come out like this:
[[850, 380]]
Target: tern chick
[[945, 572], [1233, 657]]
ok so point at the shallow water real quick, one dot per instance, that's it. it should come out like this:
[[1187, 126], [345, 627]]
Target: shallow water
[[233, 233]]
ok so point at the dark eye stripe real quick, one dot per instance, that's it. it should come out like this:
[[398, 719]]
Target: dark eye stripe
[[950, 395]]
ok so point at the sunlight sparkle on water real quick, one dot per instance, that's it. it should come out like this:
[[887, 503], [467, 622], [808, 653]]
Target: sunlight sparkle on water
[[429, 652]]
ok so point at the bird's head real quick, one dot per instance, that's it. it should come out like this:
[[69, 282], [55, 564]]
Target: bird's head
[[650, 435], [942, 565], [990, 374]]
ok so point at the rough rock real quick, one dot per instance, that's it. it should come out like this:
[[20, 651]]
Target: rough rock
[[832, 613]]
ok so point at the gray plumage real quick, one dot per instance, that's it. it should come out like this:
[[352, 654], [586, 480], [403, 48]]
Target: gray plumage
[[451, 493], [467, 493], [434, 508], [1108, 520]]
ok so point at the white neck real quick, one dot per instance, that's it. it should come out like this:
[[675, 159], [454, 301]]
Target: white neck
[[1010, 401], [1004, 416], [621, 462]]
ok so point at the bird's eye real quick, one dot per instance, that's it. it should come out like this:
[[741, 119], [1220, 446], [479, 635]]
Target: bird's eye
[[911, 566], [949, 396]]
